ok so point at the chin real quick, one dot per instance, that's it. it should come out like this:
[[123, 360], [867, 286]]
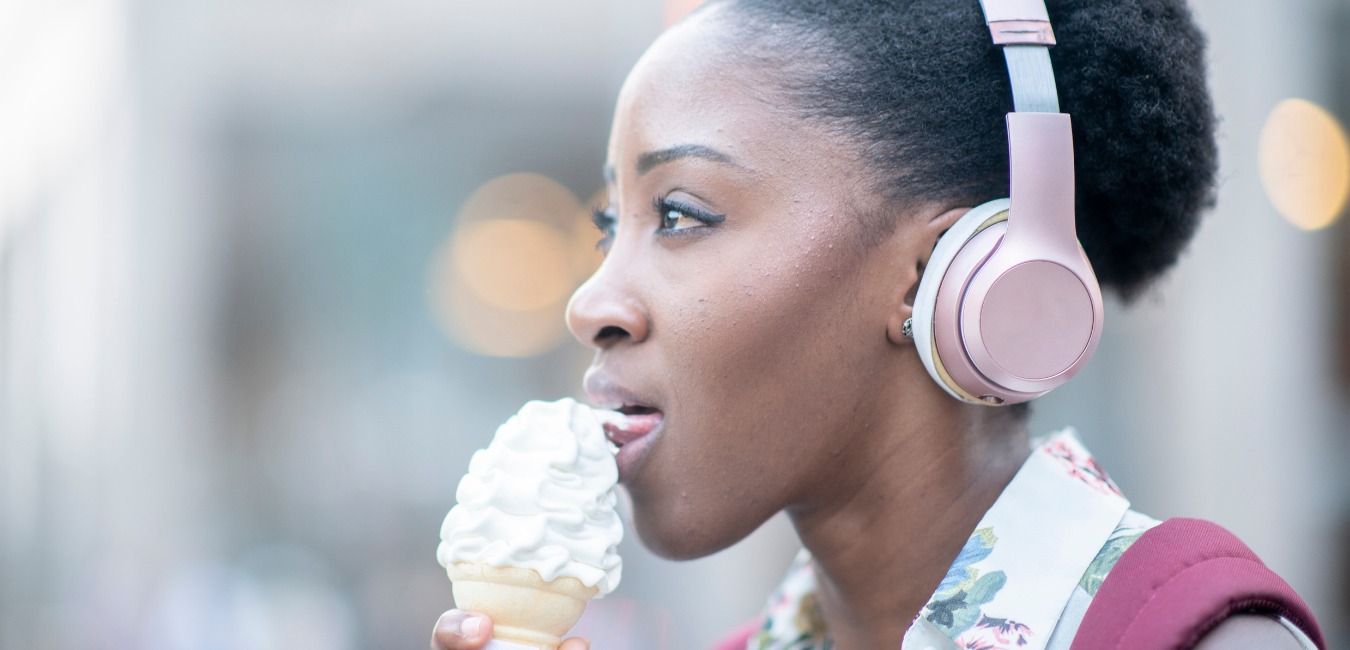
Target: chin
[[674, 534], [674, 543]]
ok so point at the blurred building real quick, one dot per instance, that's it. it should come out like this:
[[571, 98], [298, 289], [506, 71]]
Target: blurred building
[[245, 350]]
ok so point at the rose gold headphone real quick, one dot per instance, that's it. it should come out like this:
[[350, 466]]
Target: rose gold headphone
[[1008, 307]]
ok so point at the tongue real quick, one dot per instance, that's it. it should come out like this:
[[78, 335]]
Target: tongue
[[622, 428]]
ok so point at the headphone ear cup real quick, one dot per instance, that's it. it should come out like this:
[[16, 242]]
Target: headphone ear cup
[[1028, 322], [1032, 323], [938, 302]]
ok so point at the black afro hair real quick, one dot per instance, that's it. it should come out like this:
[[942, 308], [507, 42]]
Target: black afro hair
[[922, 90]]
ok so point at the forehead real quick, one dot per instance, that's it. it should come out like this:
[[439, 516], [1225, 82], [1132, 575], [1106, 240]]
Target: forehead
[[691, 88]]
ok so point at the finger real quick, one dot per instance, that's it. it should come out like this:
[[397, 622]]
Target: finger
[[575, 643], [461, 630]]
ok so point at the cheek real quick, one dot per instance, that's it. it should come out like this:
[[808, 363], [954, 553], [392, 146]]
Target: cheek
[[780, 336], [761, 362]]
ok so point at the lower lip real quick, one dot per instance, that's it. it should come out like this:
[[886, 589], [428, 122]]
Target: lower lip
[[640, 432]]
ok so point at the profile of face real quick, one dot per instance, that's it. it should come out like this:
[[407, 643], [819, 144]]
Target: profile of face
[[748, 305]]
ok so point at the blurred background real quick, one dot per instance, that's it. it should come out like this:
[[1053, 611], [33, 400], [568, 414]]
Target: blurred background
[[270, 271]]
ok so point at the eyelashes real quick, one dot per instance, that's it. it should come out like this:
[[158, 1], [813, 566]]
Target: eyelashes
[[674, 218], [604, 221]]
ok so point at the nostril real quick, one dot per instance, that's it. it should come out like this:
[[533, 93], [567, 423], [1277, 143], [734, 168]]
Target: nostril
[[610, 332]]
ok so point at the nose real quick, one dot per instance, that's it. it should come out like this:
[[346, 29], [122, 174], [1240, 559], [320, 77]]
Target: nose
[[605, 311]]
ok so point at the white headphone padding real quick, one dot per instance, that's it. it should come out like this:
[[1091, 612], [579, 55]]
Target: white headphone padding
[[926, 299]]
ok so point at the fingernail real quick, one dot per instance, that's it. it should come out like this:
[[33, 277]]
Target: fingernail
[[471, 626]]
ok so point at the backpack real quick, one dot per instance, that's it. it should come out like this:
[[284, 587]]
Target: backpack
[[1177, 582]]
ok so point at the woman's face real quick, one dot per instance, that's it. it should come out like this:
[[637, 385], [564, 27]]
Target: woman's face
[[738, 307]]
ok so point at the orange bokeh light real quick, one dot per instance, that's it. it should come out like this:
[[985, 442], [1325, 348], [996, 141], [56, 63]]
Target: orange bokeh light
[[1305, 163]]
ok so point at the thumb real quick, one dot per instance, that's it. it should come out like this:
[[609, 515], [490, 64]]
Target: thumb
[[461, 630]]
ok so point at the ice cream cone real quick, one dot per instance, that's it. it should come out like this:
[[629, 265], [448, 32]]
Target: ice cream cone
[[524, 608]]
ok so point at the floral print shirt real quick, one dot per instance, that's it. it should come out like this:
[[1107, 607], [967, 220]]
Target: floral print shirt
[[1024, 578]]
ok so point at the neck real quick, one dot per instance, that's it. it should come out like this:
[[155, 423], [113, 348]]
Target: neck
[[885, 538]]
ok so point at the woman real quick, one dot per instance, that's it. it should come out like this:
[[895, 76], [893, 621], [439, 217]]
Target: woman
[[779, 174]]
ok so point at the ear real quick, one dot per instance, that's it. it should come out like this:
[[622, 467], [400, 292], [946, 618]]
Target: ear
[[918, 247]]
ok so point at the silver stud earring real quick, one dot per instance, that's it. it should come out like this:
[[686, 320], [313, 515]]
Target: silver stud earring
[[908, 328]]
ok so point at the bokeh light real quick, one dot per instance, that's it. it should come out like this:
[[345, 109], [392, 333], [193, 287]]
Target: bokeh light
[[500, 282], [482, 328], [677, 9], [1305, 163], [514, 264], [529, 197]]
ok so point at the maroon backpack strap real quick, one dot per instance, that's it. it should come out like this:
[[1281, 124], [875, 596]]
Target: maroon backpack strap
[[740, 637], [1177, 582]]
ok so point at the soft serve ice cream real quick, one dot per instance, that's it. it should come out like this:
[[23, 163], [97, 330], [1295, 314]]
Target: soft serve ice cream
[[541, 497]]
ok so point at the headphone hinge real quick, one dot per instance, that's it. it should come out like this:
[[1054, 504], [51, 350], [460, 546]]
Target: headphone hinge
[[1022, 32]]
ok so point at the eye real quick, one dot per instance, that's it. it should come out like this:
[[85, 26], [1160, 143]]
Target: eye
[[678, 216], [676, 219]]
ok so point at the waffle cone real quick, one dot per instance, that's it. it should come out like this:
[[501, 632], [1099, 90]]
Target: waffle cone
[[523, 607]]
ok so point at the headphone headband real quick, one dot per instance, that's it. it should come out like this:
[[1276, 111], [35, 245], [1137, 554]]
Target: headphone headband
[[1022, 29]]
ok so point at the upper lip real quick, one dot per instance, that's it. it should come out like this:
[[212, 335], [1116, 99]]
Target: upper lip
[[605, 392]]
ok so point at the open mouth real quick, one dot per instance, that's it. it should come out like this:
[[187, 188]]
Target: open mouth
[[637, 409], [631, 422]]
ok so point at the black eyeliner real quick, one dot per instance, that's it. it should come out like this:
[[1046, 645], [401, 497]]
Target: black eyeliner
[[664, 205]]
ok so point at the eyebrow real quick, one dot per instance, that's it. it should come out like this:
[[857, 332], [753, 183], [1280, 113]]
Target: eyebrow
[[651, 159], [647, 161]]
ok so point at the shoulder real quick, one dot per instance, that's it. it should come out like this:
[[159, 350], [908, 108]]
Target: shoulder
[[1179, 578], [1254, 631]]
